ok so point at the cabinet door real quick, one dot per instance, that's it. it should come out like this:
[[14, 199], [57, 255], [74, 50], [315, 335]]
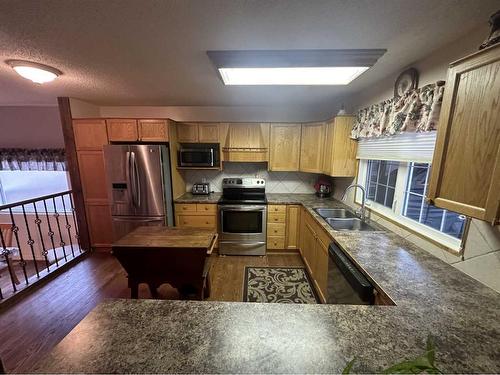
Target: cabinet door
[[465, 175], [153, 130], [100, 225], [93, 176], [284, 153], [197, 221], [208, 133], [343, 153], [122, 130], [292, 227], [90, 134], [321, 266], [311, 148], [309, 248], [187, 132]]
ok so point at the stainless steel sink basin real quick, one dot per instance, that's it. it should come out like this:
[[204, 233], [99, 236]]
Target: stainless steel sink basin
[[341, 213], [352, 224]]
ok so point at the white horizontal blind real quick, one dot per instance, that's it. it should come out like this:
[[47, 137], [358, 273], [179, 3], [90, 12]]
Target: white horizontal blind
[[417, 147]]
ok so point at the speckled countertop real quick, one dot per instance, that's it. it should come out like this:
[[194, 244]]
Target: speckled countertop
[[191, 198], [431, 297]]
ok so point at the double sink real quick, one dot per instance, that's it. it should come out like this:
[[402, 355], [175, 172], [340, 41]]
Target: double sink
[[343, 220]]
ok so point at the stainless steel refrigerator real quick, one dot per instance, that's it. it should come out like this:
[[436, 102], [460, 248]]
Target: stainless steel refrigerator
[[139, 186]]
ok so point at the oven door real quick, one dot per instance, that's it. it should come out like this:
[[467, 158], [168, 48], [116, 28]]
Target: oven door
[[243, 222], [196, 157]]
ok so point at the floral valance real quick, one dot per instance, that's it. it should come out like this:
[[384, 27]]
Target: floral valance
[[44, 159], [416, 111]]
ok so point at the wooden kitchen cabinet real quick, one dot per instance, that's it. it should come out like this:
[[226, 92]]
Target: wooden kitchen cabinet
[[312, 147], [283, 227], [465, 173], [340, 150], [153, 130], [208, 133], [196, 215], [284, 147], [122, 130], [187, 133], [245, 142], [198, 133], [93, 176], [90, 134], [292, 226], [100, 225]]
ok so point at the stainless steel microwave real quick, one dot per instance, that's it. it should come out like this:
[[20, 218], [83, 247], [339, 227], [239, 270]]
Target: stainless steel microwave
[[200, 155]]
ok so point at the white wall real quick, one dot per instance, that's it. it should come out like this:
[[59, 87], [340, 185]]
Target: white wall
[[482, 250]]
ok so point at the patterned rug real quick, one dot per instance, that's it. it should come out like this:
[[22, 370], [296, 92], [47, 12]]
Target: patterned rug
[[278, 285]]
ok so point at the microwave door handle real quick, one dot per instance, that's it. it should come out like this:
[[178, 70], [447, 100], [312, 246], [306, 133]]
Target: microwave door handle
[[211, 157]]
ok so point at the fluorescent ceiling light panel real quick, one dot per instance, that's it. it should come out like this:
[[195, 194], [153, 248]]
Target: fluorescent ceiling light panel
[[293, 67], [291, 76]]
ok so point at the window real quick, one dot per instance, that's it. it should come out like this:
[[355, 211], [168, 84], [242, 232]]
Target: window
[[18, 185], [397, 190], [381, 181], [417, 209]]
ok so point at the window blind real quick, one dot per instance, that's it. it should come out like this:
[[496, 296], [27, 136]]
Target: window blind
[[417, 147]]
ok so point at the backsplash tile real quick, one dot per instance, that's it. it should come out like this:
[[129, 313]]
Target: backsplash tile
[[276, 182]]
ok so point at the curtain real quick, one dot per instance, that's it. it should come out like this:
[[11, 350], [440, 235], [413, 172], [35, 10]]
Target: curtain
[[416, 111], [44, 159]]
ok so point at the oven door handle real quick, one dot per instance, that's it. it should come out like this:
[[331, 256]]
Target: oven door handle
[[242, 208]]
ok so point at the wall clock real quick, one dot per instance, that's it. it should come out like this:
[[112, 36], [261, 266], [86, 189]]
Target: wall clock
[[407, 81]]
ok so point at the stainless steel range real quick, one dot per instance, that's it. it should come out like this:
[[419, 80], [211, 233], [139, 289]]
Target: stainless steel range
[[243, 217]]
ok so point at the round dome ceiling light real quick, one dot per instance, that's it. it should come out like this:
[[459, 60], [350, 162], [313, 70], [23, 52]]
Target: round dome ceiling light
[[35, 72]]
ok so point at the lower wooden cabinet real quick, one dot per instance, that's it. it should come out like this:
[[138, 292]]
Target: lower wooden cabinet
[[100, 225], [283, 227], [196, 215]]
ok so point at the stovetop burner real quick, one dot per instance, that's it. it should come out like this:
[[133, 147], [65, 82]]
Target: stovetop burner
[[243, 191]]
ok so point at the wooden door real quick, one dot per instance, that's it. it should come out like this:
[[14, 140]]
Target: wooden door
[[93, 176], [187, 132], [292, 226], [153, 130], [284, 153], [312, 146], [90, 134], [122, 130], [343, 153], [328, 152], [100, 225], [321, 266], [465, 174], [208, 133], [309, 248]]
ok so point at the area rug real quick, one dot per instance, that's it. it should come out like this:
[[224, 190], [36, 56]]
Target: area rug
[[278, 285]]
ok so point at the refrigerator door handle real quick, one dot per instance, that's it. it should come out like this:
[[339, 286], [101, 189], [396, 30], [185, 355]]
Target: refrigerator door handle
[[128, 176], [137, 188], [133, 179]]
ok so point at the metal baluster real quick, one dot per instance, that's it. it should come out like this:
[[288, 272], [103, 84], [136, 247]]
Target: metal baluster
[[15, 229], [38, 221], [77, 235], [5, 252], [30, 241], [68, 226], [62, 243], [50, 233]]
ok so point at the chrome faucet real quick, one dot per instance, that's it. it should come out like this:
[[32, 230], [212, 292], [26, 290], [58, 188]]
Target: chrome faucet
[[361, 211]]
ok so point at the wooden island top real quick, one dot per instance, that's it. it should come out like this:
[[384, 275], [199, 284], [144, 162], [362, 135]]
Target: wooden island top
[[167, 237]]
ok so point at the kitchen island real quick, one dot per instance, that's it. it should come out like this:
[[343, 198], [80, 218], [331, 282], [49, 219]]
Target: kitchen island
[[431, 297]]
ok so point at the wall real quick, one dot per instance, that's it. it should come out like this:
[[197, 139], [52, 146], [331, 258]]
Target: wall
[[276, 182], [30, 127], [482, 250]]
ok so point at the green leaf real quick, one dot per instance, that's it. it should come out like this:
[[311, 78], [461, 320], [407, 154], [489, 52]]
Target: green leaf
[[347, 369]]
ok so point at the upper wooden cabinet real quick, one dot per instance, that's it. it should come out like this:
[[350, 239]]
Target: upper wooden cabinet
[[122, 130], [465, 175], [153, 130], [312, 147], [340, 150], [194, 133], [130, 130], [284, 148], [90, 134], [245, 142]]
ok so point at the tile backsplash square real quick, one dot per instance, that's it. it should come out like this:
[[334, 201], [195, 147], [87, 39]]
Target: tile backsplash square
[[276, 182]]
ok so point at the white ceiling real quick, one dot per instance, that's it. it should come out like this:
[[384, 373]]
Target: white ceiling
[[144, 52]]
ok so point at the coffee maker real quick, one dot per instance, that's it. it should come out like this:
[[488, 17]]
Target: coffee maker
[[323, 188]]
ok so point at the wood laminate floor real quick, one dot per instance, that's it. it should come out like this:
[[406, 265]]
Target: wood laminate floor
[[33, 326]]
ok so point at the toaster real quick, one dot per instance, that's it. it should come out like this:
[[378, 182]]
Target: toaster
[[201, 188]]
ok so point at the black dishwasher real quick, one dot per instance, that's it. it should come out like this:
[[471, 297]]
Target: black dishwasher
[[346, 284]]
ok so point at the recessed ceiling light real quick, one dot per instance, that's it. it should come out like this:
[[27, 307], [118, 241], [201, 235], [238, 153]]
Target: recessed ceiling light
[[35, 72], [291, 76], [293, 67]]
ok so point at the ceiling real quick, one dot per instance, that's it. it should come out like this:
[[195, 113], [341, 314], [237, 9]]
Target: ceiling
[[144, 52]]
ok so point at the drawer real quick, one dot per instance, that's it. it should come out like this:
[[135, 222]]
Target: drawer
[[211, 208], [196, 221], [275, 242], [276, 218], [180, 207], [276, 208], [276, 229]]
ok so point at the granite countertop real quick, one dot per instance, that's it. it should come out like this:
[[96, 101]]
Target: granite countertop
[[431, 297], [191, 198]]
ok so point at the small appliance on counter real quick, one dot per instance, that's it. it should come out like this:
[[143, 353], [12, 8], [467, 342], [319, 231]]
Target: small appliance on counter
[[323, 188], [201, 188]]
